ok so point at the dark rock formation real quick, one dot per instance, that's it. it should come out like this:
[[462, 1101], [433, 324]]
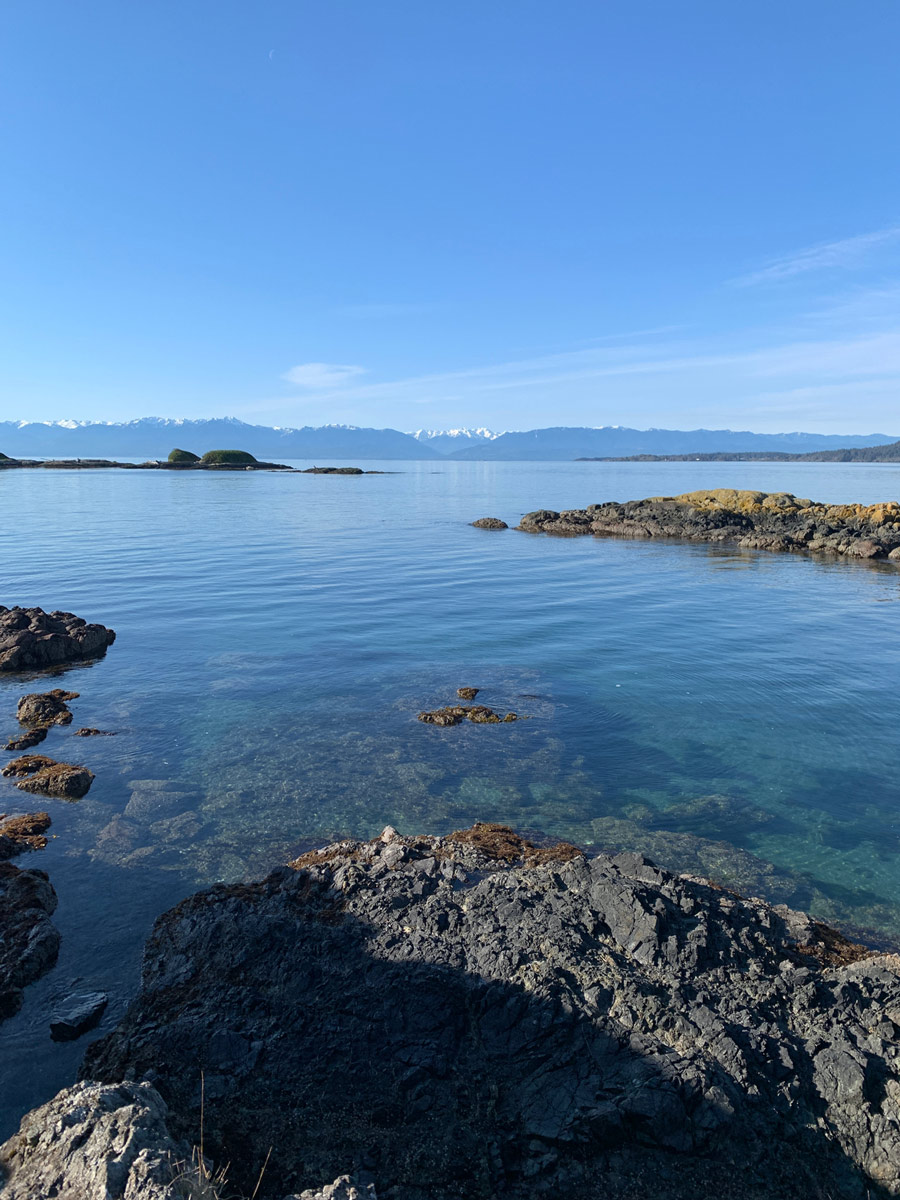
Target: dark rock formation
[[79, 1014], [467, 693], [31, 639], [92, 1142], [472, 1016], [490, 523], [93, 733], [480, 714], [29, 942], [45, 777], [755, 520], [22, 833]]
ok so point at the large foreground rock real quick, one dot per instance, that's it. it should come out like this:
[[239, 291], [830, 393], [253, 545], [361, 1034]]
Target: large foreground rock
[[31, 639], [755, 520], [476, 1017]]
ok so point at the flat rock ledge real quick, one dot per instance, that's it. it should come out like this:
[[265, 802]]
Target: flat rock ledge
[[477, 1016], [32, 640], [755, 520]]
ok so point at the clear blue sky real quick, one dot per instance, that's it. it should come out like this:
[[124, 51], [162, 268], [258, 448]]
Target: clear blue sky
[[411, 213]]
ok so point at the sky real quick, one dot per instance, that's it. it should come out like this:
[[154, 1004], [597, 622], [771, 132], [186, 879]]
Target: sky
[[492, 213]]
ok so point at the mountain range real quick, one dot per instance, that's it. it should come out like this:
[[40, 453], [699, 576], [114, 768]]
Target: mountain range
[[154, 437]]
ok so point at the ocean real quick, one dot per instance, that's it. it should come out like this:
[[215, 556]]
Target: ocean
[[732, 714]]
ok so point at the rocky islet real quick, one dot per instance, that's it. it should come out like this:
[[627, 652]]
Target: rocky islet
[[754, 520]]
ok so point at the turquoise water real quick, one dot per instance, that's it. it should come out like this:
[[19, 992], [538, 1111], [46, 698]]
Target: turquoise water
[[731, 713]]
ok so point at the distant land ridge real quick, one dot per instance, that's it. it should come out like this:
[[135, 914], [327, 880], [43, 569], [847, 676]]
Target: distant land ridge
[[153, 437]]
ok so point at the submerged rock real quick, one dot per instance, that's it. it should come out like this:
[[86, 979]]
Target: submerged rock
[[755, 520], [31, 639], [474, 1016], [467, 693], [79, 1014], [489, 523], [45, 777], [93, 733]]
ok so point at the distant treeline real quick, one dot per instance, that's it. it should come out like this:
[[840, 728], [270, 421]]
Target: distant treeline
[[888, 453]]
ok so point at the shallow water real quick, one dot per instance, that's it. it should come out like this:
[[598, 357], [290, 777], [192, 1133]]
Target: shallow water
[[730, 713]]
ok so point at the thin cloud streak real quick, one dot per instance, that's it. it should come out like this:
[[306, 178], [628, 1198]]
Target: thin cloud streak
[[320, 375], [848, 252]]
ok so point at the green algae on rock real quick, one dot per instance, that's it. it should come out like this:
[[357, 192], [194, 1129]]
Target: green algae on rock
[[228, 458], [183, 456]]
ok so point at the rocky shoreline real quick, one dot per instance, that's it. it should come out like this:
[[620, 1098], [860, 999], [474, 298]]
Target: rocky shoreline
[[753, 520], [479, 1016]]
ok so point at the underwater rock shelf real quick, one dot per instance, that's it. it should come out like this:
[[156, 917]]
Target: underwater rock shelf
[[476, 1015], [754, 520]]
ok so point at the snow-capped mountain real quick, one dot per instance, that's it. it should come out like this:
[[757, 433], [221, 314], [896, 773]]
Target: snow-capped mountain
[[154, 437], [447, 440]]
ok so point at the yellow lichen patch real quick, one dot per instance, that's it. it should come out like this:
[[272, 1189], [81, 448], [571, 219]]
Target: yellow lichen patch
[[734, 500]]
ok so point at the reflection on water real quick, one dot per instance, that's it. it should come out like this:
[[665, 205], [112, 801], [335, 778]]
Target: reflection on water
[[729, 713]]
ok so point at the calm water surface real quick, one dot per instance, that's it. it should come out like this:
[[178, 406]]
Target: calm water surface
[[730, 713]]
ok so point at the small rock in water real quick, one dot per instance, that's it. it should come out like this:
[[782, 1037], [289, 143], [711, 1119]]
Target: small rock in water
[[490, 523], [81, 1013], [467, 693], [45, 708], [93, 733], [25, 741], [46, 777], [479, 714]]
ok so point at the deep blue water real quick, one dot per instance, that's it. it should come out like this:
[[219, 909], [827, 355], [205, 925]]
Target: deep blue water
[[731, 713]]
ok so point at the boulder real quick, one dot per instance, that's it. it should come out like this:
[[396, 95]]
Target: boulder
[[31, 639], [489, 523], [467, 693], [78, 1014]]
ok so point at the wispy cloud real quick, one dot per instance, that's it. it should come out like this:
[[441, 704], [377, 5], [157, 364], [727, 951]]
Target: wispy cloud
[[848, 252], [319, 375]]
